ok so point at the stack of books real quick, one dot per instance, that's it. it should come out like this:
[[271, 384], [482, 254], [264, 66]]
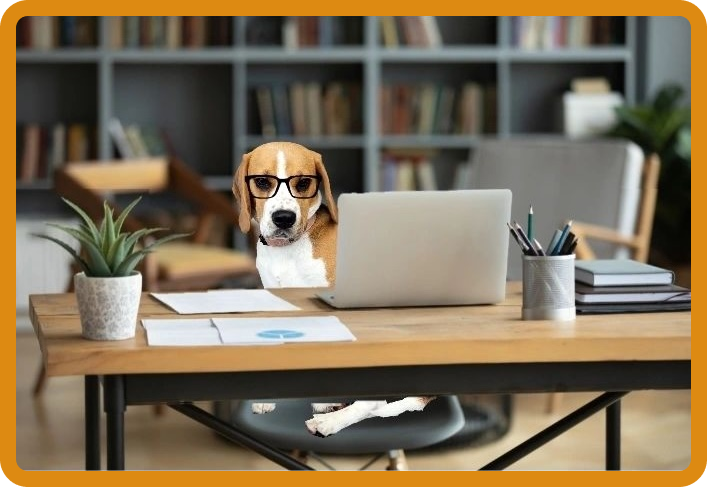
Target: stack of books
[[624, 285]]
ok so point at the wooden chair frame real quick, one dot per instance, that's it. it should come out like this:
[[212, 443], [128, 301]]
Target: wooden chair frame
[[86, 183], [639, 242]]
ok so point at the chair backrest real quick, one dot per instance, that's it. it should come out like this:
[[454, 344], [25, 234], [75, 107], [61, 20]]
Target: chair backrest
[[596, 181], [140, 175], [87, 183]]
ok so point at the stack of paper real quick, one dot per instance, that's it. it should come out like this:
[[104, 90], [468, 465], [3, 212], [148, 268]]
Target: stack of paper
[[224, 301], [245, 331]]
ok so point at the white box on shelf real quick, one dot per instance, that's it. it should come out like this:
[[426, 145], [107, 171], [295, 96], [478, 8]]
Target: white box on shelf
[[589, 114]]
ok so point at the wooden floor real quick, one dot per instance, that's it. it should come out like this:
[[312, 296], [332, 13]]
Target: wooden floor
[[656, 433]]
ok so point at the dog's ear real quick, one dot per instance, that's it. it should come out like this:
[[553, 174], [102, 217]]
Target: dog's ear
[[330, 203], [240, 191]]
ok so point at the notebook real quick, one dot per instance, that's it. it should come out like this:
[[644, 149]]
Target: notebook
[[421, 248], [620, 272]]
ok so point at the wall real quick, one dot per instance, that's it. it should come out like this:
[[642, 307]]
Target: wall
[[667, 55]]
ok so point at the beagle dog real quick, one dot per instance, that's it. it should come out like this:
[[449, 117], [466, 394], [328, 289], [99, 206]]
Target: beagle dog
[[278, 187]]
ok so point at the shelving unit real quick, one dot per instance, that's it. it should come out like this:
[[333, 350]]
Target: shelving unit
[[204, 98]]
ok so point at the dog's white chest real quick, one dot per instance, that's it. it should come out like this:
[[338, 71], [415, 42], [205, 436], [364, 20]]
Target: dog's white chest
[[290, 266]]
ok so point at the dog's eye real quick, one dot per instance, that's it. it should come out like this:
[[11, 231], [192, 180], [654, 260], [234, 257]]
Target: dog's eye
[[303, 184], [263, 183]]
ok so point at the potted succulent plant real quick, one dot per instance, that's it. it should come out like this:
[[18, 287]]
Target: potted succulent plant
[[108, 288]]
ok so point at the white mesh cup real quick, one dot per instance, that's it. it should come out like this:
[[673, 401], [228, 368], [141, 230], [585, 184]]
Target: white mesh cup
[[548, 287]]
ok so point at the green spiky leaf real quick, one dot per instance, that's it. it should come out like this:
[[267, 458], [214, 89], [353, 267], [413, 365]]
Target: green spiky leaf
[[106, 252]]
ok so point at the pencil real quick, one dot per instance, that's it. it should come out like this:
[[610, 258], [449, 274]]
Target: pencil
[[530, 223]]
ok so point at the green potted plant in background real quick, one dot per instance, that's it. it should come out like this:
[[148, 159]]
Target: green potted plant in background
[[108, 288], [663, 127]]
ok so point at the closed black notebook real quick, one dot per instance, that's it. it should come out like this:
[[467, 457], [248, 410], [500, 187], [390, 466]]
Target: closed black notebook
[[606, 308]]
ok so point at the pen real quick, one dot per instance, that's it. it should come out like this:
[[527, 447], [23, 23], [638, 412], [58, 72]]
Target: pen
[[530, 223], [553, 241], [524, 238], [569, 240], [573, 246], [538, 247], [517, 239], [561, 240]]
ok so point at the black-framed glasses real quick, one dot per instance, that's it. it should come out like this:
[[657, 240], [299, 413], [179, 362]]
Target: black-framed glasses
[[265, 186]]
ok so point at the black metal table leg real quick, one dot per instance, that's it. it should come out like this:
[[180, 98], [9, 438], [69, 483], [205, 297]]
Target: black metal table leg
[[613, 436], [114, 405], [92, 427], [554, 430]]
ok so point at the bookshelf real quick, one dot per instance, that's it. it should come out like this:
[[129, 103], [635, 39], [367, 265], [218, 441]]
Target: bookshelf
[[200, 85]]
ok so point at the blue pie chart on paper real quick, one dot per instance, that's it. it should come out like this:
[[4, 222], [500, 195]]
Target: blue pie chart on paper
[[280, 334]]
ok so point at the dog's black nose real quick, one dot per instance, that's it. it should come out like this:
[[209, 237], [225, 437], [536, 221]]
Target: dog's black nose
[[284, 218]]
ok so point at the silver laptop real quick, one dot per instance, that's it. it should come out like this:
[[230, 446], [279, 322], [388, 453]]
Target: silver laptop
[[421, 248]]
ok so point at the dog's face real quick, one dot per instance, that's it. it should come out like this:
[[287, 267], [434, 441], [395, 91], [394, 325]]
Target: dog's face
[[279, 185]]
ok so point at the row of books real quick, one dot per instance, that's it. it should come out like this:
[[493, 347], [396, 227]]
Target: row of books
[[432, 108], [319, 31], [137, 141], [551, 32], [413, 31], [44, 32], [43, 148], [407, 170], [309, 108], [415, 169], [625, 285], [170, 32]]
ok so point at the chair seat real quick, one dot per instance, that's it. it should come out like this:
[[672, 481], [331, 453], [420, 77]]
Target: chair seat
[[284, 428], [178, 260]]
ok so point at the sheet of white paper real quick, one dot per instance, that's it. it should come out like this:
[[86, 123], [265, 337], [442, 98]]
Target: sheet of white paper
[[292, 329], [224, 301], [185, 333]]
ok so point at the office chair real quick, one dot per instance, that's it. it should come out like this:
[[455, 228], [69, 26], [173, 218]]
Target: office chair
[[189, 264], [606, 186], [284, 428]]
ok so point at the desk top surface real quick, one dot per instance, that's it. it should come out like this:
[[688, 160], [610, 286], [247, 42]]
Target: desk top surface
[[385, 337]]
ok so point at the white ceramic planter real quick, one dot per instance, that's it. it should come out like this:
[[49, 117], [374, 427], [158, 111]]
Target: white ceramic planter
[[108, 305]]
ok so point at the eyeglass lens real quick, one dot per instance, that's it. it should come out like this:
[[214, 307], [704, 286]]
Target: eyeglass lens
[[266, 186]]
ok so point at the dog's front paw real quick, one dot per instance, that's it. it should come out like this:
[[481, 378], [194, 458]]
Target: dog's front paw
[[263, 407], [319, 425]]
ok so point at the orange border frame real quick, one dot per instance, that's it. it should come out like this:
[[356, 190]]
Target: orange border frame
[[215, 7]]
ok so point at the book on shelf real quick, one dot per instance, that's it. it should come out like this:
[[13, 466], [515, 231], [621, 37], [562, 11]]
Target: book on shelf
[[389, 32], [620, 272], [408, 170], [29, 159], [266, 111], [120, 139], [78, 143], [630, 294]]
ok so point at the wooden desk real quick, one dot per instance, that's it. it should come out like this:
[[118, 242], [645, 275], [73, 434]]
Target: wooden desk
[[434, 350]]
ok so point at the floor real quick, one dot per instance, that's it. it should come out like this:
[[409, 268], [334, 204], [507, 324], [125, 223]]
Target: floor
[[656, 433]]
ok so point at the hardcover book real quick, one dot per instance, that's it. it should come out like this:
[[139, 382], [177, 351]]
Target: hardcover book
[[620, 272]]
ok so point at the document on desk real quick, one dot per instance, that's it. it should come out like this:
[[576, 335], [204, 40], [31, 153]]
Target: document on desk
[[224, 301], [245, 331], [282, 330], [184, 332]]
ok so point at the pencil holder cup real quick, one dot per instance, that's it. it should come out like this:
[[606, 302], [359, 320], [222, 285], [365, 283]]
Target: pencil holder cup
[[548, 287]]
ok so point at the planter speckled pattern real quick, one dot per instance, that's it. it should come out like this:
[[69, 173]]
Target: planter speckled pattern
[[108, 305]]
